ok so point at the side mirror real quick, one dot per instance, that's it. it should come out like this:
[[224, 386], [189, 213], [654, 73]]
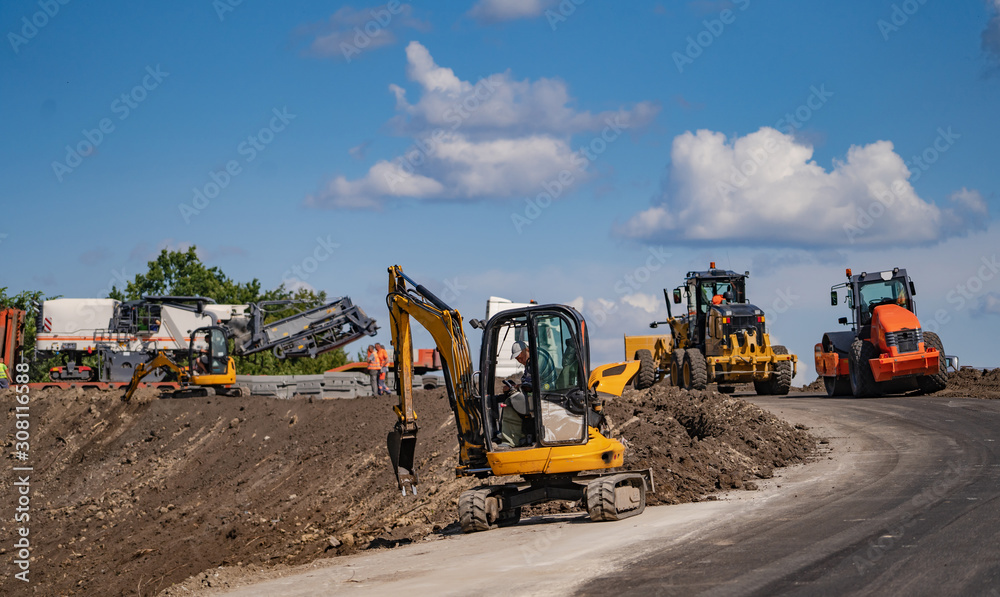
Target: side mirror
[[913, 289], [677, 296], [653, 325], [833, 298], [842, 321]]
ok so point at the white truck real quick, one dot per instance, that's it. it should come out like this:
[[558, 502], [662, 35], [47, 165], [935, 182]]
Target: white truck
[[506, 365]]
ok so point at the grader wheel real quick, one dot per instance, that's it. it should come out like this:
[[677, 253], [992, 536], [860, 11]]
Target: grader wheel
[[695, 370], [646, 376], [676, 364]]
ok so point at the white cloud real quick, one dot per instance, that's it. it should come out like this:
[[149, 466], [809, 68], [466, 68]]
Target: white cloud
[[988, 305], [495, 138], [294, 285], [349, 31], [646, 302], [495, 11], [384, 179], [764, 188], [500, 105], [501, 167], [359, 152]]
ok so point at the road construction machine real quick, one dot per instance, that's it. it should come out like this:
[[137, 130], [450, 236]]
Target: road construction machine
[[886, 350], [722, 339], [546, 427], [11, 336], [124, 335], [209, 370]]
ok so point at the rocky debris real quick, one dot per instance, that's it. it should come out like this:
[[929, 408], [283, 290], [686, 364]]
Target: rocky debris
[[973, 383], [816, 386], [698, 442], [968, 382]]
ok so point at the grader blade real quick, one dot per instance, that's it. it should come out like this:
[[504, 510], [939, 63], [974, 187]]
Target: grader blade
[[401, 448]]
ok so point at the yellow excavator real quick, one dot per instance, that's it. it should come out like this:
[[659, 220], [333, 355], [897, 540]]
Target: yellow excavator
[[210, 369], [546, 427]]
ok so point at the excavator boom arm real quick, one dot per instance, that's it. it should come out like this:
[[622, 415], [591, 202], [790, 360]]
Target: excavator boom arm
[[408, 299], [144, 369]]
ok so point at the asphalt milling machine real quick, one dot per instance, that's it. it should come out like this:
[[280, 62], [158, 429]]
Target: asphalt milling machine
[[125, 335]]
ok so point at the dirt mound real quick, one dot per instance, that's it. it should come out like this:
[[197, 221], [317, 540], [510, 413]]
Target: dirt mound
[[701, 441], [973, 383], [133, 498], [816, 386]]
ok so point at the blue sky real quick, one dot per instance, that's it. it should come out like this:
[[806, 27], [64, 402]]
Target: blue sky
[[581, 152]]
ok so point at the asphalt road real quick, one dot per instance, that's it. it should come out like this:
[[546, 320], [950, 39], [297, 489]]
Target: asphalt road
[[904, 503], [917, 513]]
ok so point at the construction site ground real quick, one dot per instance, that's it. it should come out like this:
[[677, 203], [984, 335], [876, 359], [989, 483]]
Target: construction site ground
[[163, 496]]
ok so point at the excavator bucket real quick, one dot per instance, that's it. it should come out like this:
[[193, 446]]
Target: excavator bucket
[[402, 445]]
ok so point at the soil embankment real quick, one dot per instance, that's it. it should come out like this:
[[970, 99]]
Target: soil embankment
[[132, 498]]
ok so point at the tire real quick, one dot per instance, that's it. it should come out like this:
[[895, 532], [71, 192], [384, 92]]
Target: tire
[[676, 364], [863, 383], [781, 379], [695, 371], [837, 386], [477, 510], [929, 384], [646, 376]]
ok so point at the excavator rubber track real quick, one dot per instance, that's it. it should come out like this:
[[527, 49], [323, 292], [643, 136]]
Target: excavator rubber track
[[616, 497], [484, 508]]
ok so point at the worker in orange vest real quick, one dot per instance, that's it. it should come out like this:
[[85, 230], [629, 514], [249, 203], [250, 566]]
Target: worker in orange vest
[[374, 368], [383, 359]]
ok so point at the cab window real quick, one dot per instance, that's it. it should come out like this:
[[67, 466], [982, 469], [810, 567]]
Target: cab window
[[881, 292]]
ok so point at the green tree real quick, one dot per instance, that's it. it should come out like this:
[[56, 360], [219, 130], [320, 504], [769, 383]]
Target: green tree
[[181, 273], [28, 301]]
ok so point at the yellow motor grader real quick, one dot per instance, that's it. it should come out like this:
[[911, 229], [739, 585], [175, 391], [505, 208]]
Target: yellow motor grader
[[721, 338]]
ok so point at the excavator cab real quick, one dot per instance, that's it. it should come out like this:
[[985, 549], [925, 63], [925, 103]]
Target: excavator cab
[[208, 357], [209, 369], [546, 403]]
